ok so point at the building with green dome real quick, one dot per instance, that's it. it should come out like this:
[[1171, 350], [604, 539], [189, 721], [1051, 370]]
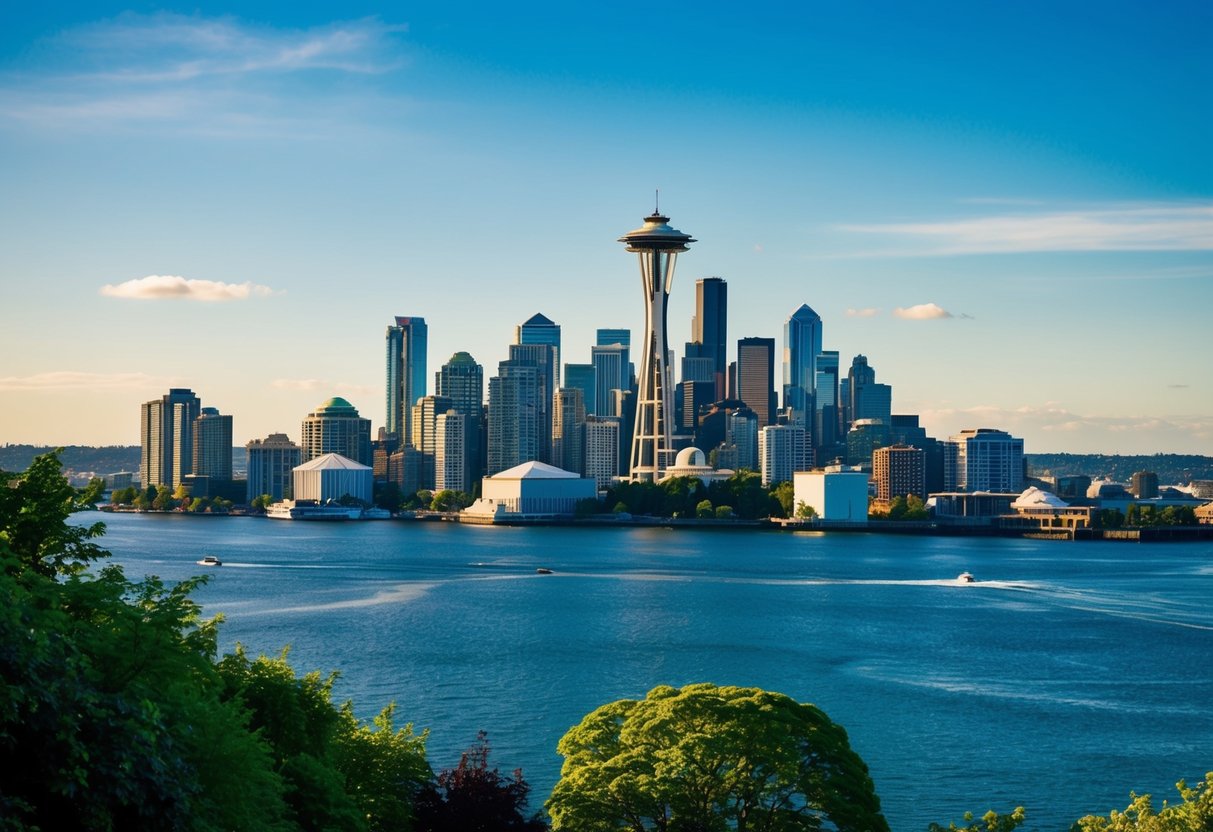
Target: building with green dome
[[336, 428]]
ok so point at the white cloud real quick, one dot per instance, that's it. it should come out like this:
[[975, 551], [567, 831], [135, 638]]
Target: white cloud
[[867, 312], [1161, 227], [921, 312], [159, 287], [73, 381]]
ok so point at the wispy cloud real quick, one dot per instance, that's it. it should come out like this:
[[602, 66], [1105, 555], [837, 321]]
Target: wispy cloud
[[210, 75], [922, 312], [866, 312], [170, 287], [73, 381], [1160, 227]]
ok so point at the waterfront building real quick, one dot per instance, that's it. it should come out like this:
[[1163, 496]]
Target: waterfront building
[[404, 469], [864, 437], [1144, 485], [568, 425], [801, 347], [756, 377], [601, 444], [450, 452], [212, 453], [836, 493], [425, 414], [332, 476], [657, 246], [584, 377], [121, 479], [691, 462], [270, 463], [983, 459], [530, 491], [166, 437], [335, 427], [899, 471], [782, 451], [539, 329], [514, 414], [709, 331], [406, 342]]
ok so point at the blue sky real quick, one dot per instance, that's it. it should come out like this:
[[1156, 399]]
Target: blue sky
[[1007, 207]]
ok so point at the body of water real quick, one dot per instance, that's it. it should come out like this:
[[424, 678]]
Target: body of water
[[1066, 676]]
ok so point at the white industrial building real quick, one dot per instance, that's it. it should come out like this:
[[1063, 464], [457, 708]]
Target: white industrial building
[[836, 493], [331, 477], [530, 491]]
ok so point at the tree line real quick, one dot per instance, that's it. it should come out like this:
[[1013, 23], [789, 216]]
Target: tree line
[[117, 713]]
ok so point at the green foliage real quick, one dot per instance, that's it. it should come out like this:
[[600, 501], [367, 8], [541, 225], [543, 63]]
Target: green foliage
[[1139, 516], [703, 509], [587, 507], [991, 821], [804, 511], [1193, 814], [448, 500], [388, 496], [712, 758], [124, 496], [784, 493], [724, 512]]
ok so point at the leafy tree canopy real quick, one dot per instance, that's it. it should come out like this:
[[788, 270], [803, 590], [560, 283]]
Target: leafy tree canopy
[[1193, 814], [712, 758]]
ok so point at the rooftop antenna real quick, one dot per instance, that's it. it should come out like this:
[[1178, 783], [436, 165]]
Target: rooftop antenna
[[657, 200]]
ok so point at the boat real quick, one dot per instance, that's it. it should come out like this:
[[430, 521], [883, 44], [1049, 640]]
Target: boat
[[543, 570], [311, 510], [210, 560], [965, 578]]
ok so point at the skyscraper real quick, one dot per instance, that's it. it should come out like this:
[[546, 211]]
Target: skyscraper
[[657, 246], [865, 398], [462, 381], [542, 356], [782, 451], [450, 452], [513, 415], [335, 427], [601, 446], [568, 425], [585, 378], [406, 373], [212, 451], [801, 347], [166, 437], [623, 338], [539, 329], [709, 327], [425, 415], [827, 413], [983, 459], [756, 377], [610, 363], [270, 463], [898, 471]]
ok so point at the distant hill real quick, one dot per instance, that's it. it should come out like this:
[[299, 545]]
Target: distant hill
[[108, 459], [1172, 469]]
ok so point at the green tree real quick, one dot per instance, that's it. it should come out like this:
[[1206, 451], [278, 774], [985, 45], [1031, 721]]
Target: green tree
[[712, 758], [991, 821], [703, 509], [724, 512], [262, 501], [784, 493], [916, 509], [804, 511], [34, 509], [1193, 814], [448, 500]]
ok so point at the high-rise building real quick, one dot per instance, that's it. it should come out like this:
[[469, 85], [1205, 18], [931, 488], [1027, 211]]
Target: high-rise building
[[270, 462], [568, 420], [709, 328], [585, 378], [657, 246], [865, 436], [336, 428], [801, 347], [1144, 485], [514, 414], [983, 459], [166, 431], [539, 329], [743, 430], [406, 373], [898, 471], [601, 446], [610, 362], [462, 381], [450, 452], [756, 377], [541, 356], [212, 452], [692, 397], [782, 451], [827, 413], [904, 429], [425, 414], [622, 337], [865, 398]]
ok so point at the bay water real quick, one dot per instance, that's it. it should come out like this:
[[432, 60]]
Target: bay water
[[1067, 675]]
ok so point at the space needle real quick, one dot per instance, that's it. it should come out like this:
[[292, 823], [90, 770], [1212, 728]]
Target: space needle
[[657, 246]]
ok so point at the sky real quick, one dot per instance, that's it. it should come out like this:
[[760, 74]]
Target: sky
[[1007, 207]]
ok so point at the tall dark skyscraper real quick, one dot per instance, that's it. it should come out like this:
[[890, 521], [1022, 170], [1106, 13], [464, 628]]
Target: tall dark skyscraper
[[709, 327], [539, 329], [801, 346], [827, 413], [406, 373], [756, 377], [865, 399]]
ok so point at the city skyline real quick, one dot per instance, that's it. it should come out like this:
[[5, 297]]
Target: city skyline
[[1017, 231]]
